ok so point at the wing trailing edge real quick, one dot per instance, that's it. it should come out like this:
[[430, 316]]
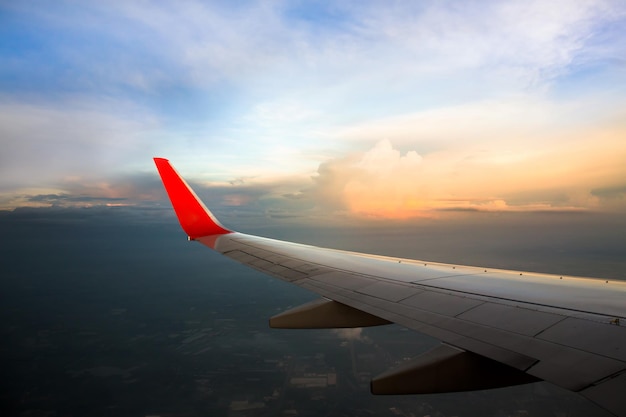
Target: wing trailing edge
[[193, 216]]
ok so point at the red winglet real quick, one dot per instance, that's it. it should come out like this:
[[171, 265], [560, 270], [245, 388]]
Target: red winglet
[[195, 219]]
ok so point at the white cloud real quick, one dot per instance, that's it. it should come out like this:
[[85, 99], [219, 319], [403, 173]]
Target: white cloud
[[264, 48], [42, 143], [536, 38]]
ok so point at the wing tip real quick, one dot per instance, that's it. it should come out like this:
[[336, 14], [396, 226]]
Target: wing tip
[[194, 217]]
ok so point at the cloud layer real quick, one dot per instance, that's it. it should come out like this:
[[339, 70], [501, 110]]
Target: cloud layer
[[302, 108]]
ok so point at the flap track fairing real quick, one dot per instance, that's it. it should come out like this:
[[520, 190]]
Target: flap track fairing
[[324, 314], [448, 369]]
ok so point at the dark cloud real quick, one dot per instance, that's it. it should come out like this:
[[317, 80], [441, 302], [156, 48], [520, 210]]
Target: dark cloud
[[281, 214], [459, 209], [240, 201], [57, 199], [294, 196], [526, 209], [97, 214], [617, 192]]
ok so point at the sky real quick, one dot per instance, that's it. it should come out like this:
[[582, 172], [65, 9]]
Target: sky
[[359, 111]]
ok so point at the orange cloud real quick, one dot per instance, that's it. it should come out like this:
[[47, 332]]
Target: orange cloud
[[382, 184], [561, 175]]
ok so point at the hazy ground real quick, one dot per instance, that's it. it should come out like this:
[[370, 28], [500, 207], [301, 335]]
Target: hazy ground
[[113, 312]]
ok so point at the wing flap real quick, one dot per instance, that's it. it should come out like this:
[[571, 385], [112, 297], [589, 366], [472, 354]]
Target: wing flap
[[609, 394], [389, 291], [599, 338], [441, 303], [511, 318]]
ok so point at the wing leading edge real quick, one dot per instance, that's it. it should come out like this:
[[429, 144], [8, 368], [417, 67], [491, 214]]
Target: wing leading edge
[[498, 327]]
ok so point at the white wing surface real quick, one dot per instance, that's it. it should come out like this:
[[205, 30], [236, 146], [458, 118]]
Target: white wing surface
[[497, 327]]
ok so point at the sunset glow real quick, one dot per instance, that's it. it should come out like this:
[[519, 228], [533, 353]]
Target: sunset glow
[[365, 110]]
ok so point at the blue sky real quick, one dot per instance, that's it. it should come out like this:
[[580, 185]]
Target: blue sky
[[399, 110]]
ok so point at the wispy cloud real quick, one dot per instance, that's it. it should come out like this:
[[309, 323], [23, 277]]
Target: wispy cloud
[[44, 143]]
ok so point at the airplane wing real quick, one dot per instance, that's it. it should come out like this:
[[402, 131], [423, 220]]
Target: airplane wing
[[498, 327]]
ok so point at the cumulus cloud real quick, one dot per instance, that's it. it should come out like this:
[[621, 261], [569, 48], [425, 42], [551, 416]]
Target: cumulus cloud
[[381, 182], [385, 183]]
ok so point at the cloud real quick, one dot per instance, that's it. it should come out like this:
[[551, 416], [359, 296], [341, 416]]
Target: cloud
[[531, 38], [318, 55], [618, 192], [44, 142], [59, 199], [613, 197], [384, 183], [350, 334], [489, 105]]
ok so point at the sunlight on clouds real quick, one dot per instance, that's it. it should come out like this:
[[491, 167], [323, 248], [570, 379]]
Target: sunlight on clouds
[[87, 191], [384, 183], [23, 197], [560, 169], [489, 106], [514, 123]]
